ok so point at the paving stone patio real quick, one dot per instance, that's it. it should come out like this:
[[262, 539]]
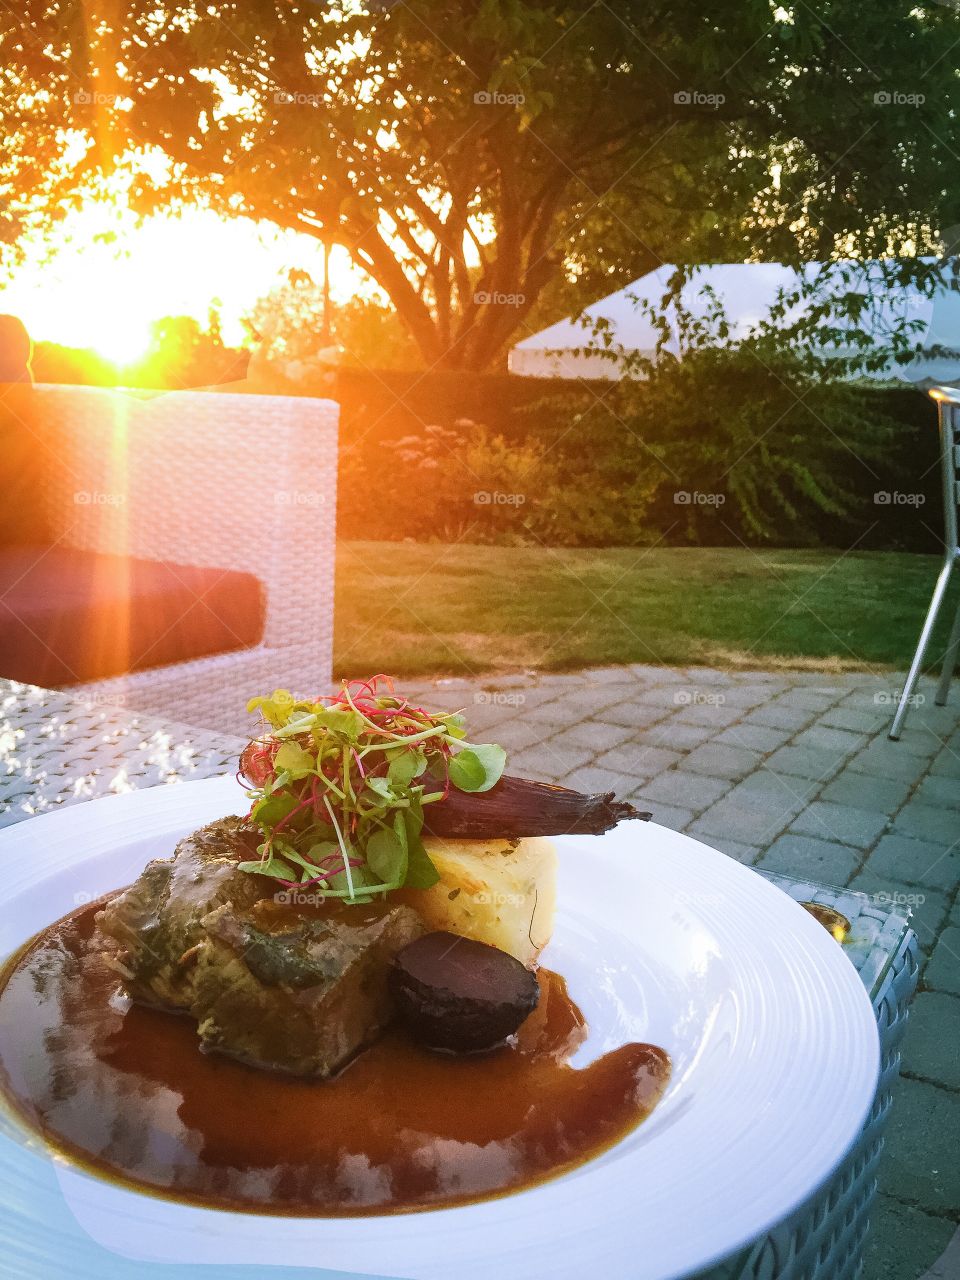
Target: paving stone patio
[[791, 772]]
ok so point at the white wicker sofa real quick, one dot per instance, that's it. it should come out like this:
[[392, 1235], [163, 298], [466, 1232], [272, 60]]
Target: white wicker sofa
[[221, 480]]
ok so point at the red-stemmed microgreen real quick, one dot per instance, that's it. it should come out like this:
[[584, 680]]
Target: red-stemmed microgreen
[[338, 786]]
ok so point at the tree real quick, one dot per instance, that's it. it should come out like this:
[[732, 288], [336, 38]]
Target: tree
[[474, 154]]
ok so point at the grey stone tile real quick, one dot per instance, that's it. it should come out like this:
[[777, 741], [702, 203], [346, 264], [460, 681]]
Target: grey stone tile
[[947, 763], [584, 703], [562, 757], [835, 741], [713, 714], [861, 791], [665, 815], [904, 1242], [924, 822], [732, 821], [745, 853], [710, 676], [754, 737], [774, 793], [854, 719], [518, 733], [685, 789], [920, 1152], [930, 1050], [563, 679], [668, 697], [920, 742], [548, 765], [777, 716], [916, 862], [610, 675], [635, 715], [938, 790], [805, 762], [811, 699], [591, 779], [882, 759], [810, 859], [592, 734], [747, 695], [553, 713], [942, 972], [859, 828], [673, 735], [637, 761], [720, 761]]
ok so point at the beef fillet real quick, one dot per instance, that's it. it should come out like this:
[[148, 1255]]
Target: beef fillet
[[293, 989]]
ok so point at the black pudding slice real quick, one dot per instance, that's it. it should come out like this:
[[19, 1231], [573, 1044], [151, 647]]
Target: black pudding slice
[[457, 994]]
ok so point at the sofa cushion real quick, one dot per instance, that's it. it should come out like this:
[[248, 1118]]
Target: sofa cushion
[[69, 616], [25, 458]]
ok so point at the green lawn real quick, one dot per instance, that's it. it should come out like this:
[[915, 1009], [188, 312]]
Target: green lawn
[[415, 609]]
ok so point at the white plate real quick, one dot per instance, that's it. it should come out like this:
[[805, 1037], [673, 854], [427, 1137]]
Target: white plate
[[662, 939]]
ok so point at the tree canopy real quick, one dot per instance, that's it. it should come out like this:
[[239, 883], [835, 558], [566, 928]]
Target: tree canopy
[[476, 156]]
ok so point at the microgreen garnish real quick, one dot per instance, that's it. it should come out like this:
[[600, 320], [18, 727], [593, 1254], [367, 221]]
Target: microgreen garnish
[[338, 786]]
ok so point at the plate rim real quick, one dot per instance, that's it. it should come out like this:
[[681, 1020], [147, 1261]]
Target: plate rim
[[104, 818]]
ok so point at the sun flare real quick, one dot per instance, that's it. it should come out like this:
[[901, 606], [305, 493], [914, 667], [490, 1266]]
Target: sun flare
[[101, 280]]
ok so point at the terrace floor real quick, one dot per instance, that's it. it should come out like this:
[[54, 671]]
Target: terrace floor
[[791, 772]]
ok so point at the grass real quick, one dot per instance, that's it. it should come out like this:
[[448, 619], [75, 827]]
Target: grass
[[430, 609]]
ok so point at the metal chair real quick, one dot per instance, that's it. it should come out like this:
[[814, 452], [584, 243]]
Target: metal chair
[[948, 404]]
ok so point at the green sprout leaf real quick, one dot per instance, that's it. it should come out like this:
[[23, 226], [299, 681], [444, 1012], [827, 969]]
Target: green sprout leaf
[[387, 856], [405, 765], [477, 768], [271, 867], [295, 760]]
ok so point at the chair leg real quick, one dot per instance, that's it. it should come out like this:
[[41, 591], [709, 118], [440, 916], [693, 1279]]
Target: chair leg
[[910, 684], [949, 661]]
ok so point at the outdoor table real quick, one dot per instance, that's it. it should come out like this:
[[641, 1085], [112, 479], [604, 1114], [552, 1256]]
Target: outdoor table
[[56, 750]]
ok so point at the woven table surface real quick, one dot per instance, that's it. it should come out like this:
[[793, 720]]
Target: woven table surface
[[56, 750]]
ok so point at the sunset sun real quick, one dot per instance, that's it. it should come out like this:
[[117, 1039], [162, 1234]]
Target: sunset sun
[[104, 278]]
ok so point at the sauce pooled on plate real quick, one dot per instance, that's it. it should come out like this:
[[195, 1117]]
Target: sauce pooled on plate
[[123, 1090]]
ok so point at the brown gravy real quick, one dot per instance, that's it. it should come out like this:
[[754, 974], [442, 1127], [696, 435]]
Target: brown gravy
[[124, 1090]]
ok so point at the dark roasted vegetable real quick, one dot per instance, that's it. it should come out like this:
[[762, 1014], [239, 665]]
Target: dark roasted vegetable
[[458, 994], [520, 807]]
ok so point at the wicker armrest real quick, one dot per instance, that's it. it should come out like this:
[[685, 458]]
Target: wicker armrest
[[204, 478]]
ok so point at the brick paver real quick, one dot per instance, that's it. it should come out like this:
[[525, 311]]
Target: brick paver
[[791, 772]]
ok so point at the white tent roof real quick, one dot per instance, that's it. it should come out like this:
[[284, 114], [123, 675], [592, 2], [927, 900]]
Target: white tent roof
[[747, 291]]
